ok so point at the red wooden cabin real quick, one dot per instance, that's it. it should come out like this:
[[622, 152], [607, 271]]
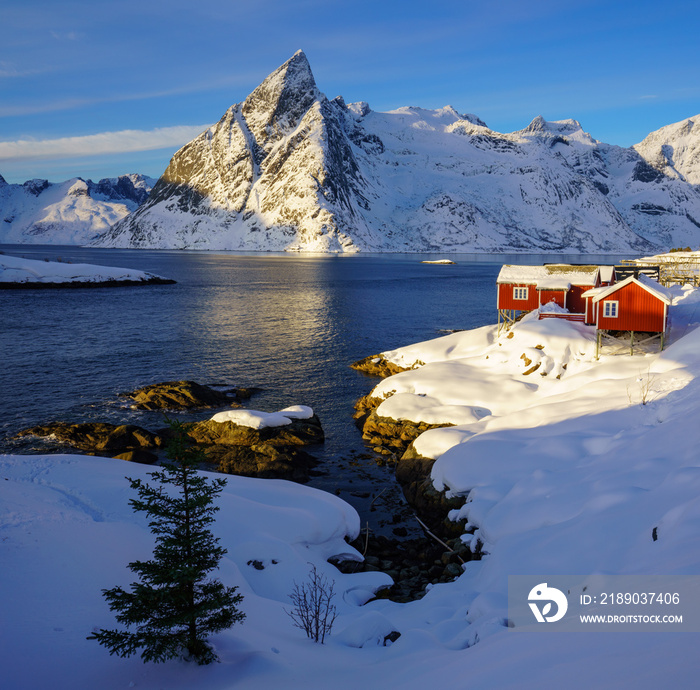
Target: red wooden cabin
[[524, 288], [637, 305]]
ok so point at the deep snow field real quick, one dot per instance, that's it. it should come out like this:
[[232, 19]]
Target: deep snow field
[[568, 472]]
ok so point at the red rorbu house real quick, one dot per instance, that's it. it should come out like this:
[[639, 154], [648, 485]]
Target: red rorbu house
[[637, 304], [555, 289]]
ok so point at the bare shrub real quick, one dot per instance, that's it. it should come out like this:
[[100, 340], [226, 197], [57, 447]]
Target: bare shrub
[[313, 610]]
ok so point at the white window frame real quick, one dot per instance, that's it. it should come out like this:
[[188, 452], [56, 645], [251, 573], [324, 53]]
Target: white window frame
[[611, 309], [520, 293]]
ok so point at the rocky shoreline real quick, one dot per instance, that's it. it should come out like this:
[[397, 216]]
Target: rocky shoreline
[[72, 285], [393, 439], [283, 452], [414, 564], [269, 452]]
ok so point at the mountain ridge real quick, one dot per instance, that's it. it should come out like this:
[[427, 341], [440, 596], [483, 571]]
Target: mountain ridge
[[74, 211], [288, 169]]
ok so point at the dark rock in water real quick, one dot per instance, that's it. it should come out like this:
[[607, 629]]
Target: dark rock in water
[[299, 432], [263, 461], [270, 452], [413, 564], [185, 395], [96, 437], [83, 284]]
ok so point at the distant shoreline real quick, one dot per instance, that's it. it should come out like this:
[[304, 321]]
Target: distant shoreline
[[37, 285]]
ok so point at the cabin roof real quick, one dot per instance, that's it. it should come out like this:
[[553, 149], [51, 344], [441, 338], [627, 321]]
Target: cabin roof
[[643, 281], [607, 273], [554, 283], [562, 276]]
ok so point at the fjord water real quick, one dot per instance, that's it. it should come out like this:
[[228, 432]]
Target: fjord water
[[289, 324]]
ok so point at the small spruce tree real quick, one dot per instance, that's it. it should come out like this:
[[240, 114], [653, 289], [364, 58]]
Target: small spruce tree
[[174, 607]]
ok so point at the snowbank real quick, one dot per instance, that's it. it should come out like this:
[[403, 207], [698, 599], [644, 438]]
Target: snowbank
[[260, 420]]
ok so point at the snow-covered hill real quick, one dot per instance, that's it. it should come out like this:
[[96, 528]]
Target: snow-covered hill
[[289, 169], [71, 212]]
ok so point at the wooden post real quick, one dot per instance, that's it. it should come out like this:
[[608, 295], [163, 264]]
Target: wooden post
[[662, 343], [631, 342], [597, 344]]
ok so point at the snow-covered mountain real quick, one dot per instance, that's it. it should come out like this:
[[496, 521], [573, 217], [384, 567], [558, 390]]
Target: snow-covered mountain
[[71, 212], [674, 150], [288, 169]]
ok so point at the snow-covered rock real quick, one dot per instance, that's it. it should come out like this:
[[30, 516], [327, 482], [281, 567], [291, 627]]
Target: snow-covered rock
[[289, 169], [71, 212]]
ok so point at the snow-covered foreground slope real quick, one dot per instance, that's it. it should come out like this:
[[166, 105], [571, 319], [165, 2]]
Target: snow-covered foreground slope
[[15, 270], [567, 475], [289, 169], [70, 212]]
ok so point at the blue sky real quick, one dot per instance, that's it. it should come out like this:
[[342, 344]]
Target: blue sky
[[98, 89]]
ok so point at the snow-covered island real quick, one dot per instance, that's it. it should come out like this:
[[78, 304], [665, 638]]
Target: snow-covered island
[[576, 467], [17, 272]]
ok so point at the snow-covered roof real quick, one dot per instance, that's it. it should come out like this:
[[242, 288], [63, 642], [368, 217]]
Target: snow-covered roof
[[607, 273], [553, 283], [650, 285], [594, 291], [539, 275]]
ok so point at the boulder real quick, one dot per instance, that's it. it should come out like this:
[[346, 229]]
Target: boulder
[[270, 451], [141, 456], [262, 460], [185, 395], [299, 432]]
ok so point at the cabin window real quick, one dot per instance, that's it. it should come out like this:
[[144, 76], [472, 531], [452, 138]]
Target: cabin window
[[610, 309], [520, 293]]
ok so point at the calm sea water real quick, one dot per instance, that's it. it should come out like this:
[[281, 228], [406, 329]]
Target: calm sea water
[[289, 324]]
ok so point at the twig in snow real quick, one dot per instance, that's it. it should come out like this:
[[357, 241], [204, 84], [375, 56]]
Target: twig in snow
[[437, 539]]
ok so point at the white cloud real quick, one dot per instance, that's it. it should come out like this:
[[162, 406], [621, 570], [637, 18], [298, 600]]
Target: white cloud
[[66, 35], [126, 141]]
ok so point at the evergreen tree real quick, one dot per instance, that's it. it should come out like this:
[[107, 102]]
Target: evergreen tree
[[175, 606]]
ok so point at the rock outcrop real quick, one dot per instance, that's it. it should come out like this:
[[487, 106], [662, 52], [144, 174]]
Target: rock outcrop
[[270, 452], [393, 439], [185, 395], [377, 365], [96, 437]]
